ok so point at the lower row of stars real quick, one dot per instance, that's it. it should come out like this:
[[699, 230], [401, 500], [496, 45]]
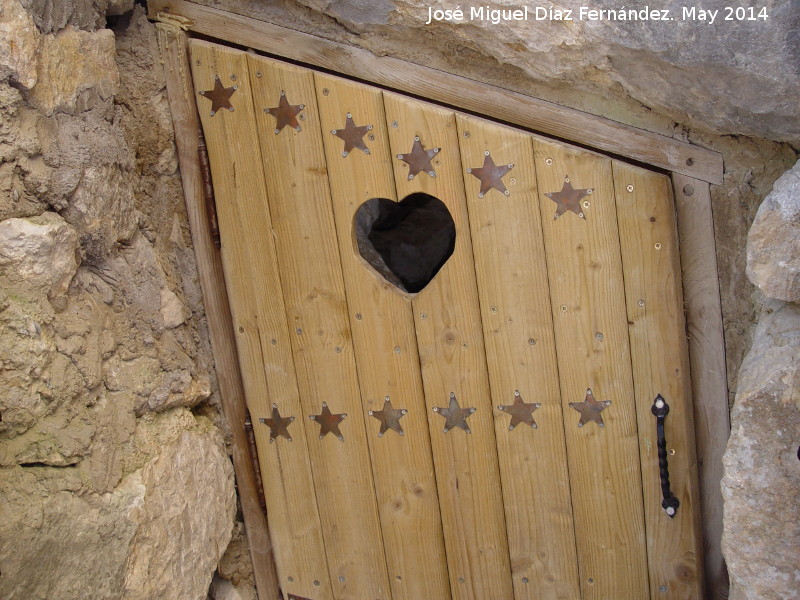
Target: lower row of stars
[[455, 417]]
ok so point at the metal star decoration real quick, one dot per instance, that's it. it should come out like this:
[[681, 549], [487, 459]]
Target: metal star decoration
[[328, 422], [285, 113], [277, 424], [491, 175], [389, 417], [352, 136], [454, 415], [569, 199], [590, 409], [220, 96], [521, 412], [419, 159]]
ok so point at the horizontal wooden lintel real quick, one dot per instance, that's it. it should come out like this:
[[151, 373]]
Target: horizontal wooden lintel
[[494, 102]]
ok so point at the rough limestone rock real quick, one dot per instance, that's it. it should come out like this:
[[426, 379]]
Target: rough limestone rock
[[158, 534], [761, 484], [713, 75], [178, 545], [91, 76], [773, 245], [20, 44], [41, 251]]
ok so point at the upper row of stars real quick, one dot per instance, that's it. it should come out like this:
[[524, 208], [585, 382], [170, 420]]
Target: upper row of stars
[[419, 160]]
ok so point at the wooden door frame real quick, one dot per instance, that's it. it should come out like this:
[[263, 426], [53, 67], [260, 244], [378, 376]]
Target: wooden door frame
[[693, 170]]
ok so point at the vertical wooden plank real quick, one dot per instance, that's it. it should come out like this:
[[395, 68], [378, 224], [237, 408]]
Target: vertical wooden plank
[[248, 256], [450, 341], [385, 347], [707, 363], [173, 44], [660, 360], [588, 304], [313, 288], [520, 351]]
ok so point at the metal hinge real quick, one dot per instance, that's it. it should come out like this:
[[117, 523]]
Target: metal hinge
[[208, 190], [252, 450]]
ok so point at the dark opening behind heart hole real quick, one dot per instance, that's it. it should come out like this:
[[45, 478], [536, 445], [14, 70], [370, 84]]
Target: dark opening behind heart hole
[[406, 242]]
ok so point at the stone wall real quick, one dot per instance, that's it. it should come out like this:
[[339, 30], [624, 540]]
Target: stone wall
[[114, 477], [114, 480]]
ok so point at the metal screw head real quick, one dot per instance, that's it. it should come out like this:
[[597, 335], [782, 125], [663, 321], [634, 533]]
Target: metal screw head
[[394, 124], [563, 308], [397, 349], [660, 403], [466, 134], [338, 350], [493, 309], [341, 578], [298, 331], [641, 302], [670, 511], [599, 336], [525, 580], [258, 73], [548, 161], [629, 187], [531, 341], [657, 245], [423, 316], [316, 583], [662, 588], [358, 316], [689, 162], [233, 77], [688, 189], [325, 92], [586, 204]]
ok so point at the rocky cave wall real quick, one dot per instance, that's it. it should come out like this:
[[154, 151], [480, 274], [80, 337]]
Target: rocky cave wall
[[112, 446], [114, 476]]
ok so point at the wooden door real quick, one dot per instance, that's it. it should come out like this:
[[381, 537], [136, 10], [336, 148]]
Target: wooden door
[[490, 436]]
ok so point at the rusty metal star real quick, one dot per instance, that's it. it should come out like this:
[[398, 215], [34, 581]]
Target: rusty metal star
[[569, 199], [590, 409], [285, 113], [454, 415], [389, 417], [352, 136], [419, 159], [220, 96], [328, 422], [277, 424], [521, 412], [491, 175]]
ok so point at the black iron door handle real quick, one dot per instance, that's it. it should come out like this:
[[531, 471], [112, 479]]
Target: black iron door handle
[[669, 502]]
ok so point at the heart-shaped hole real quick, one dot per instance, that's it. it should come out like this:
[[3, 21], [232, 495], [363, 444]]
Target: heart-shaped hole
[[405, 242]]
